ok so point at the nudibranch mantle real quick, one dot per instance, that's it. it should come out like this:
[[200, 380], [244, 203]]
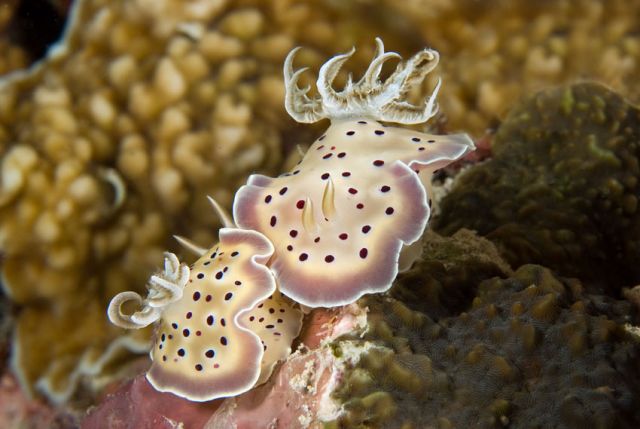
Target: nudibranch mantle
[[341, 217]]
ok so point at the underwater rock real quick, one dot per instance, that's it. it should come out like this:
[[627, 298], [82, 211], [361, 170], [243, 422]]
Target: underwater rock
[[531, 351], [562, 187]]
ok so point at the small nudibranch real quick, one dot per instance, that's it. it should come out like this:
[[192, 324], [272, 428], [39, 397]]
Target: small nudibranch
[[225, 329], [340, 219]]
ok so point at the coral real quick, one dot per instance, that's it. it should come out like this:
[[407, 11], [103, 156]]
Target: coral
[[532, 350], [111, 143], [13, 55], [496, 55], [561, 189]]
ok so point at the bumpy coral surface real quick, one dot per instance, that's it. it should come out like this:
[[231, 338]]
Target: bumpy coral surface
[[500, 53], [562, 188], [531, 351]]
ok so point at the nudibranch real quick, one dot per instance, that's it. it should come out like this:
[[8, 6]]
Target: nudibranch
[[340, 219], [223, 325], [324, 234]]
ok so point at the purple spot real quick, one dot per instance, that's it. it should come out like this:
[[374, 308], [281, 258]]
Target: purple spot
[[189, 314], [210, 353], [196, 296], [210, 320], [421, 148], [289, 248], [219, 275], [200, 276], [228, 296], [303, 257], [174, 325], [385, 188], [342, 154], [379, 132], [208, 298], [353, 191], [343, 236], [360, 206], [185, 332], [378, 163], [316, 240], [346, 174], [283, 191], [366, 229], [350, 133], [267, 199], [293, 233], [273, 221], [223, 322], [300, 204], [431, 141], [325, 176], [415, 139], [362, 122], [327, 156], [234, 254], [198, 367], [389, 210], [237, 282], [329, 258], [364, 252], [181, 352], [223, 341]]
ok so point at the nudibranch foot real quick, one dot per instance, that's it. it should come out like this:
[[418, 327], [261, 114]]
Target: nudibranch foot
[[164, 289]]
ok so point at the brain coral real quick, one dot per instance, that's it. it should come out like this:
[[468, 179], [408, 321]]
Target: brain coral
[[531, 350], [562, 188], [113, 141], [498, 54]]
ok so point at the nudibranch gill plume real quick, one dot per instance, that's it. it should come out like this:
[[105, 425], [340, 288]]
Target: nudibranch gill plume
[[332, 229]]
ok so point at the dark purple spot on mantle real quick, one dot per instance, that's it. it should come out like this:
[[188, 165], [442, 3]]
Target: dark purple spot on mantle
[[378, 163], [363, 252]]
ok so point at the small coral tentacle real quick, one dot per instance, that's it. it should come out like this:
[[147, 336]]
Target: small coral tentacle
[[113, 178], [190, 245], [224, 217]]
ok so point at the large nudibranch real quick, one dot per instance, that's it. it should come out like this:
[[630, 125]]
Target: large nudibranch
[[327, 232], [341, 217]]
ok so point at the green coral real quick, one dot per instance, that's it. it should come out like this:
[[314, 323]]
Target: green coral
[[562, 188], [532, 350]]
